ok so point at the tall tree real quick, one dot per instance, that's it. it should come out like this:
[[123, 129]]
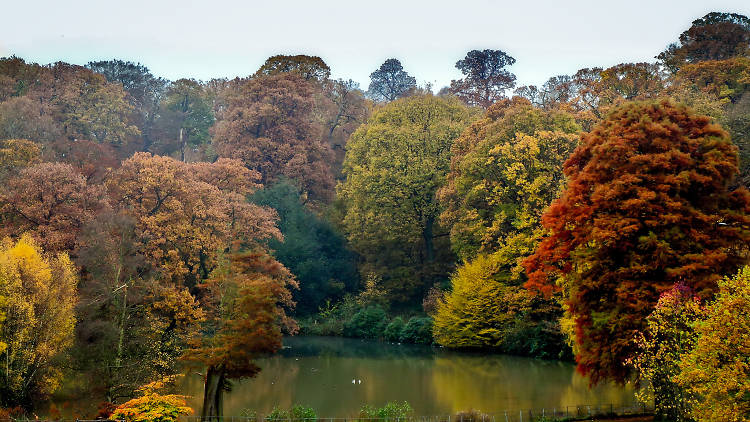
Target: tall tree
[[715, 36], [186, 115], [390, 81], [246, 297], [52, 202], [647, 205], [184, 217], [312, 249], [394, 165], [309, 67], [40, 292], [144, 89], [485, 77], [267, 123]]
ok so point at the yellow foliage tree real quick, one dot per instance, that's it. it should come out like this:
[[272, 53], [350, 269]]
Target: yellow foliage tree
[[152, 406], [716, 370], [40, 294]]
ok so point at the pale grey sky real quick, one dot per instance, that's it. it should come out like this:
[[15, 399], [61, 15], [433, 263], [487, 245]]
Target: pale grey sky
[[227, 38]]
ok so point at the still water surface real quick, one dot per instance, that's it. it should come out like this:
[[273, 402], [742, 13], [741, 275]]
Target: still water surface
[[318, 372]]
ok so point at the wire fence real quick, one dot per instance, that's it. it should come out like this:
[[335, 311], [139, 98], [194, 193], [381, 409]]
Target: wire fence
[[549, 414], [544, 414]]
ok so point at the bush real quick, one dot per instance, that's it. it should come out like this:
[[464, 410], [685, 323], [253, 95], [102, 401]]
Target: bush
[[472, 415], [297, 412], [393, 330], [367, 323], [418, 331], [390, 412]]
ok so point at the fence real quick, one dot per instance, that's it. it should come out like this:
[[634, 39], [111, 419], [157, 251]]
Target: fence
[[551, 414]]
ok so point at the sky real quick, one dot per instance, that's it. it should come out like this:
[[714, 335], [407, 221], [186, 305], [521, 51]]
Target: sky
[[228, 38]]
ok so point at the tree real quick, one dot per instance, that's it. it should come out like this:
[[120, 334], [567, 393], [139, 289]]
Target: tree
[[185, 214], [647, 205], [505, 170], [715, 371], [90, 107], [246, 297], [16, 154], [40, 292], [390, 82], [715, 36], [485, 77], [312, 250], [394, 165], [52, 202], [267, 123], [345, 110], [186, 115], [22, 118], [152, 406], [309, 67], [487, 309], [668, 336], [144, 89]]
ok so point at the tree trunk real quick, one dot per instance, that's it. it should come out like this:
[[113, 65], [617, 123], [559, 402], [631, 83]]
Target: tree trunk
[[213, 393], [427, 235], [182, 146]]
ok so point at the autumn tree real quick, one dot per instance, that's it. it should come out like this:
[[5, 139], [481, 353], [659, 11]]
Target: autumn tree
[[267, 123], [309, 67], [16, 154], [390, 81], [344, 110], [715, 36], [647, 205], [393, 167], [506, 168], [186, 214], [715, 371], [152, 405], [485, 77], [23, 118], [40, 292], [669, 334], [246, 298], [52, 202], [185, 117], [145, 90]]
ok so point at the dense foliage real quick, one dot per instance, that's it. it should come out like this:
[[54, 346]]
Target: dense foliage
[[160, 225], [647, 205]]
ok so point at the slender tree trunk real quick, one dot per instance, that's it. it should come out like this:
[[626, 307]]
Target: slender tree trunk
[[428, 241], [213, 393], [182, 146]]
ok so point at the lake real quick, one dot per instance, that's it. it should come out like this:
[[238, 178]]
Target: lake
[[336, 376]]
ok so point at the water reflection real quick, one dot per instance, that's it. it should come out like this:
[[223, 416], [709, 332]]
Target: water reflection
[[318, 372]]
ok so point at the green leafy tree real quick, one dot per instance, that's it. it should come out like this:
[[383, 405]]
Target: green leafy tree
[[716, 370], [309, 67], [647, 205], [186, 116], [312, 249], [393, 167]]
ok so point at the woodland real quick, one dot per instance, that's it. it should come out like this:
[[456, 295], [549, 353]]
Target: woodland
[[153, 227]]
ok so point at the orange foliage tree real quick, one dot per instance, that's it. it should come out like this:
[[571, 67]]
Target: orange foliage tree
[[267, 123], [647, 205], [245, 298]]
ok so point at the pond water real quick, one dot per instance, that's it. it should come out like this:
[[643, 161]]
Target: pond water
[[336, 376]]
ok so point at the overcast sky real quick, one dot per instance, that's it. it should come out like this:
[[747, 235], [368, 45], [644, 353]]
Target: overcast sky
[[228, 38]]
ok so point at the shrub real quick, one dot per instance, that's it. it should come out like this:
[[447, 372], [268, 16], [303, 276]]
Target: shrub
[[393, 330], [367, 323], [418, 331], [390, 412], [152, 406], [296, 412]]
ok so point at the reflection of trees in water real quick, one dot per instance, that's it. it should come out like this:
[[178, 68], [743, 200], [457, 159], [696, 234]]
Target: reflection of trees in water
[[497, 383], [317, 372]]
